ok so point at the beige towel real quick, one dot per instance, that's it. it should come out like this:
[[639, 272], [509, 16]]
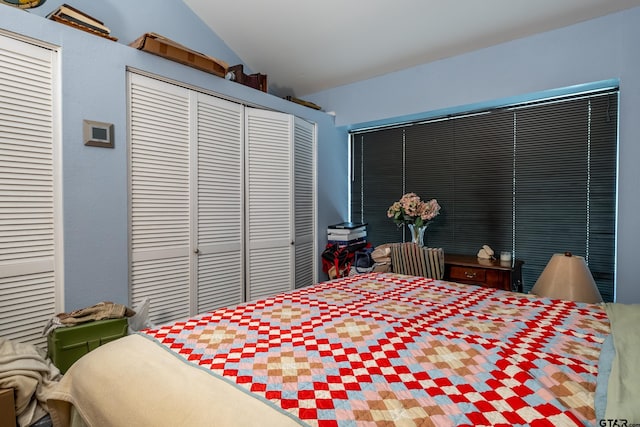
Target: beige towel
[[101, 311], [25, 368]]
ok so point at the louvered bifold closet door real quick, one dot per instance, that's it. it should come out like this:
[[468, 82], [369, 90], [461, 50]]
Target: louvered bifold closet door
[[219, 213], [269, 202], [304, 202], [27, 273], [160, 210]]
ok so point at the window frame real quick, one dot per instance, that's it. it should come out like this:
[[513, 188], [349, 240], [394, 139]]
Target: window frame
[[436, 234]]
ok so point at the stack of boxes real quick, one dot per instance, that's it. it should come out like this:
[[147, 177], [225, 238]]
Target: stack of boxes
[[350, 234], [344, 241]]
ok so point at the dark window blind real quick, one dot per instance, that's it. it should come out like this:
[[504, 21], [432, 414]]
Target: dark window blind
[[377, 177], [433, 178], [534, 179], [565, 156], [602, 192], [468, 168]]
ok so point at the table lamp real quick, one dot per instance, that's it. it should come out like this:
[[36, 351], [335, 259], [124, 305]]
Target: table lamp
[[567, 277]]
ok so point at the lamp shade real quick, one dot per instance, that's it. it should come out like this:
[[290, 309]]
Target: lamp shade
[[567, 277]]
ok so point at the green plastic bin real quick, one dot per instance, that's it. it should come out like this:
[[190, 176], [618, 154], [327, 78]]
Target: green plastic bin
[[67, 344]]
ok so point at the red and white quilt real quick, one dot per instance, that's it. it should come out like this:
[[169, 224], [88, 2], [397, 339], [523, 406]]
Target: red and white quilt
[[382, 349]]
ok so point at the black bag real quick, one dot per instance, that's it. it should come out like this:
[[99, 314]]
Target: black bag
[[363, 260]]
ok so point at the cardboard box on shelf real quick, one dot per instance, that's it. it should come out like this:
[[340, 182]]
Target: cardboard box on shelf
[[166, 48]]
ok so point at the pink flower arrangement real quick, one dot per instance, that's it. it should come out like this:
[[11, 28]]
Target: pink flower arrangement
[[410, 209]]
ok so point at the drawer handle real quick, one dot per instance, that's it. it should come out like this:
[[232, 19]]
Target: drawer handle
[[470, 275]]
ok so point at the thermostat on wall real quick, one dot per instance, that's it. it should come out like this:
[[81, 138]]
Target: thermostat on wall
[[97, 134]]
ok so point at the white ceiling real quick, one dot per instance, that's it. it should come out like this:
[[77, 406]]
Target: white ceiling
[[306, 46]]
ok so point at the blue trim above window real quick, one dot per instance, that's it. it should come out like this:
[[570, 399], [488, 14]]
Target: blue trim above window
[[487, 105]]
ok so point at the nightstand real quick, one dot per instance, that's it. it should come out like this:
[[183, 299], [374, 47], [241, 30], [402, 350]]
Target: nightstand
[[471, 270]]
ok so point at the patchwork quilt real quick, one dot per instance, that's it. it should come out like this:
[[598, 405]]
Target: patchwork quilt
[[383, 349]]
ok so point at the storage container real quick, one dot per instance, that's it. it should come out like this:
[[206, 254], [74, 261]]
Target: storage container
[[70, 343]]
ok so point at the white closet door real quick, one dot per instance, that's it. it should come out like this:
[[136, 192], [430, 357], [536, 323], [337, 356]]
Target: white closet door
[[27, 245], [160, 211], [219, 216], [269, 223], [304, 202]]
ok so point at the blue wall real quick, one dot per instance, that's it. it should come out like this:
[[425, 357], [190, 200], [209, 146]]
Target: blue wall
[[170, 18], [593, 51], [93, 70]]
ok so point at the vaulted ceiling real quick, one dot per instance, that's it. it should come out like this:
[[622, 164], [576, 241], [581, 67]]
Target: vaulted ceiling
[[307, 46]]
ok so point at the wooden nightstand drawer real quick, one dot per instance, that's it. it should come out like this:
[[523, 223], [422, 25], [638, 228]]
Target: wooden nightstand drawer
[[470, 270], [468, 274]]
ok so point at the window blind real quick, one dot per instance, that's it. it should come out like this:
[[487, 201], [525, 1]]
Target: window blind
[[534, 179], [378, 177]]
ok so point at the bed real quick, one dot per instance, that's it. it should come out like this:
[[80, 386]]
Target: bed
[[376, 349]]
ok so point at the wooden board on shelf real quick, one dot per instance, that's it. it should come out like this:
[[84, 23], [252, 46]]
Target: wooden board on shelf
[[303, 102]]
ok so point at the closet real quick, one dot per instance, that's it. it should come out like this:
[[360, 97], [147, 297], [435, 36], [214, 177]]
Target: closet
[[222, 200], [30, 293]]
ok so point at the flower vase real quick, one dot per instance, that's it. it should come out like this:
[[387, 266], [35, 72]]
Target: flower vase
[[417, 234]]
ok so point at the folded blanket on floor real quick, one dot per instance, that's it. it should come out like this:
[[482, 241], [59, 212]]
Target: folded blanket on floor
[[25, 368]]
